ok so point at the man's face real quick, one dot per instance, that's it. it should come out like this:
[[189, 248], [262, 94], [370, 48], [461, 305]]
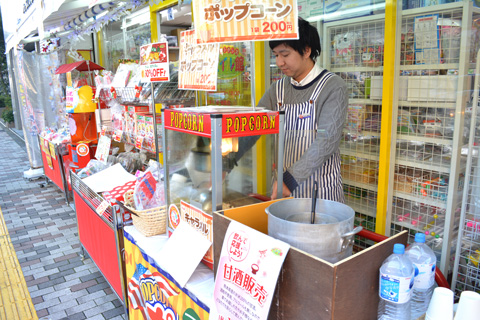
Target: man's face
[[291, 62]]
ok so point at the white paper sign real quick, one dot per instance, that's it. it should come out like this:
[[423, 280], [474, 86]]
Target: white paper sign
[[198, 63], [183, 252], [103, 149], [154, 62], [247, 274]]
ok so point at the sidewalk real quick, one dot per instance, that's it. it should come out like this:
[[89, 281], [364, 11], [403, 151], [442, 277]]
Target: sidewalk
[[43, 230]]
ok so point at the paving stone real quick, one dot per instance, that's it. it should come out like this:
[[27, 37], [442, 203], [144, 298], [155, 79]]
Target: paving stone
[[44, 233]]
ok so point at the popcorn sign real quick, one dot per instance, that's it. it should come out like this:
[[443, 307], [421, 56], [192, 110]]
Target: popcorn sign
[[247, 273]]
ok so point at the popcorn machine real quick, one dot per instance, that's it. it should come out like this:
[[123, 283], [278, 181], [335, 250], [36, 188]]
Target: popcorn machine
[[211, 163]]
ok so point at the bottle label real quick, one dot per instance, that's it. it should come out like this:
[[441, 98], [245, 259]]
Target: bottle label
[[395, 289], [424, 275]]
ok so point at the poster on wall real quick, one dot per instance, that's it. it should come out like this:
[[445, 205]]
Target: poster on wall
[[154, 62], [427, 39], [198, 63], [247, 274], [232, 21]]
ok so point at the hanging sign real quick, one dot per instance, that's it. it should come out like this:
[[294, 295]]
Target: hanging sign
[[245, 20], [198, 63], [247, 274], [154, 62]]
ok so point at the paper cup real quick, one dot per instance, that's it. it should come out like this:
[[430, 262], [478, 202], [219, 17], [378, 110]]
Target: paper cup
[[441, 305], [468, 306]]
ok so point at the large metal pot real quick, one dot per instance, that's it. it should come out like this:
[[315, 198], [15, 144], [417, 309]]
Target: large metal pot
[[329, 238]]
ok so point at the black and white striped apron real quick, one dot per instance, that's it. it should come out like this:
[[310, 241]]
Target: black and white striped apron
[[300, 132]]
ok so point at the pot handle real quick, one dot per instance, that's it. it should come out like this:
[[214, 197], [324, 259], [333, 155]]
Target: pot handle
[[348, 237]]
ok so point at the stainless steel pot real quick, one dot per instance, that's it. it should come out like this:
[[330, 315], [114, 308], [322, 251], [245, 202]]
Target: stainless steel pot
[[329, 238]]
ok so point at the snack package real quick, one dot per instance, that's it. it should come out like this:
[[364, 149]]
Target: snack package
[[149, 191], [92, 167]]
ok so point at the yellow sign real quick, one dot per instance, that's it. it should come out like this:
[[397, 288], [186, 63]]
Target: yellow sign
[[52, 150], [229, 21]]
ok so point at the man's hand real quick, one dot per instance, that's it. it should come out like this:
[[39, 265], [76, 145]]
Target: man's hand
[[285, 191]]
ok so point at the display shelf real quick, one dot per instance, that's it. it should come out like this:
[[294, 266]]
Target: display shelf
[[414, 137], [427, 104], [439, 66], [440, 167], [361, 206], [425, 200], [377, 102], [358, 153], [366, 186], [356, 69], [363, 133]]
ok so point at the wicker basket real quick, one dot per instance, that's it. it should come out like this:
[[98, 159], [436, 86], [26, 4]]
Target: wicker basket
[[149, 222]]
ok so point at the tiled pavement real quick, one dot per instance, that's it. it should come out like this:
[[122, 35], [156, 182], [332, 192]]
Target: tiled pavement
[[43, 230]]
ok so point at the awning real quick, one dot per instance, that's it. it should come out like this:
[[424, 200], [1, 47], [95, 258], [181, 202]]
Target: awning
[[84, 65]]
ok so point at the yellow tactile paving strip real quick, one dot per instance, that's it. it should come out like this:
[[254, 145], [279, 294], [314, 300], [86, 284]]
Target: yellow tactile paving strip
[[15, 300]]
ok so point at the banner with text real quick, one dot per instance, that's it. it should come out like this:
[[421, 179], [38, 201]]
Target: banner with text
[[198, 63], [240, 20]]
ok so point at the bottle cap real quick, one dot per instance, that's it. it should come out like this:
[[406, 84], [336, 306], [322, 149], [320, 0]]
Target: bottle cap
[[420, 237], [398, 248]]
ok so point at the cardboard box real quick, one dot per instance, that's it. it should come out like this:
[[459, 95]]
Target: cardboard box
[[176, 32], [309, 287]]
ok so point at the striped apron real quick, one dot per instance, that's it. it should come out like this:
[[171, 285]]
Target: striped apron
[[300, 132]]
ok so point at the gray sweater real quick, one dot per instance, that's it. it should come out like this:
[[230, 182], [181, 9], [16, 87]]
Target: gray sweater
[[331, 112]]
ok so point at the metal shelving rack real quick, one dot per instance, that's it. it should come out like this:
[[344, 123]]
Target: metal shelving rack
[[427, 169], [429, 121], [353, 49], [466, 274]]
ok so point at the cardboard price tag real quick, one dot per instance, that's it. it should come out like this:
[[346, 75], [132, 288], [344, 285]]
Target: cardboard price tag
[[102, 207]]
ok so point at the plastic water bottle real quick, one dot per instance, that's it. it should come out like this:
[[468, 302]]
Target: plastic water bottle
[[424, 261], [396, 283]]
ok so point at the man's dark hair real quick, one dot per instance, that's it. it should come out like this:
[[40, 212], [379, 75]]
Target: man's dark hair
[[308, 38]]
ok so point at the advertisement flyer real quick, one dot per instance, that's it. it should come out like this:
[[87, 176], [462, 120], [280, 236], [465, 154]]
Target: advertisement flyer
[[198, 63], [247, 274], [231, 21], [154, 62]]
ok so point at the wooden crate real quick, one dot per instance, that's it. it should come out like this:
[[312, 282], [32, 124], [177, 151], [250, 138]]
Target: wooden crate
[[309, 287]]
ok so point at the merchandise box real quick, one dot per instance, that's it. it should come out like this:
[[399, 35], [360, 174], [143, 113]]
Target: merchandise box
[[176, 33], [312, 288], [376, 87], [434, 88], [137, 108]]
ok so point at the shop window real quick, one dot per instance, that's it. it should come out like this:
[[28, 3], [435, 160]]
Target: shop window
[[123, 38]]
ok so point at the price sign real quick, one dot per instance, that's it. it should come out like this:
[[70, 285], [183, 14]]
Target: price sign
[[154, 62], [245, 20], [198, 63]]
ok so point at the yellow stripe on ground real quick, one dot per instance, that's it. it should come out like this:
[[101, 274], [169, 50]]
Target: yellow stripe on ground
[[15, 300]]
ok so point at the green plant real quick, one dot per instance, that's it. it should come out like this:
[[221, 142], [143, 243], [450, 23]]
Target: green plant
[[7, 115]]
